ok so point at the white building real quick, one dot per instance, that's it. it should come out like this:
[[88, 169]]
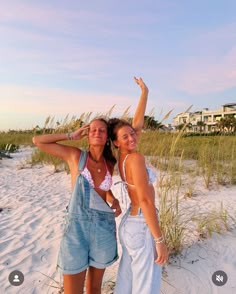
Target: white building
[[204, 120]]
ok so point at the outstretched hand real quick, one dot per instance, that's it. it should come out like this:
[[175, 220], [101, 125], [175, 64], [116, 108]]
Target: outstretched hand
[[141, 84], [80, 133]]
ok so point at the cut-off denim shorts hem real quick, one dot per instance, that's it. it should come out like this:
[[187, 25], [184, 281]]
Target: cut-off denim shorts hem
[[102, 265], [92, 263], [72, 272]]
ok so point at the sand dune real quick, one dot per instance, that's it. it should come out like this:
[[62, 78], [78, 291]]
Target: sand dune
[[31, 222]]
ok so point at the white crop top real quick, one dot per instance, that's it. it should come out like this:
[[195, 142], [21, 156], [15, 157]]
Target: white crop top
[[105, 184]]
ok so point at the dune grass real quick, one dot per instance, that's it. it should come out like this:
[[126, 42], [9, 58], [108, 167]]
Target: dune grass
[[176, 156], [16, 138], [212, 158]]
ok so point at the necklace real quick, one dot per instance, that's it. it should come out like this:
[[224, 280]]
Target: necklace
[[96, 161]]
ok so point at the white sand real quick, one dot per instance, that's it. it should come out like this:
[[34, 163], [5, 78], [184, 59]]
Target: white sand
[[34, 201]]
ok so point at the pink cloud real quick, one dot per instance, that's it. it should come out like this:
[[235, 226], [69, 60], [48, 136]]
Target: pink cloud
[[203, 76], [60, 101], [210, 70]]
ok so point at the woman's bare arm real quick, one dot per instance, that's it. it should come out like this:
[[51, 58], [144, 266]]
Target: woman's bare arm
[[49, 143], [138, 119], [136, 164]]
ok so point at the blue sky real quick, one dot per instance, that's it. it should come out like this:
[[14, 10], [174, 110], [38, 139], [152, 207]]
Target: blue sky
[[69, 57]]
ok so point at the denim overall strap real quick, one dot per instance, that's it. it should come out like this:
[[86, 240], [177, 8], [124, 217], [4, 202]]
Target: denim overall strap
[[81, 187], [93, 200], [82, 160], [84, 198]]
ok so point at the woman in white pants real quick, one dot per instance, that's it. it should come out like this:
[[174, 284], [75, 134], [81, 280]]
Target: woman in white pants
[[143, 247]]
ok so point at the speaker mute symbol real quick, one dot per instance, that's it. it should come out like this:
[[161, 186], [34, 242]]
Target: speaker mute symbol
[[219, 278]]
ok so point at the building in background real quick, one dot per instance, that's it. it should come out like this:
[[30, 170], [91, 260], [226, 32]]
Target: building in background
[[205, 120]]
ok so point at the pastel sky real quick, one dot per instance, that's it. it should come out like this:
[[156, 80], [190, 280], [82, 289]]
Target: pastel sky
[[60, 57]]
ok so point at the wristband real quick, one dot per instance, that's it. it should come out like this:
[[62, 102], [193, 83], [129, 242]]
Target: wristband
[[159, 240], [68, 135]]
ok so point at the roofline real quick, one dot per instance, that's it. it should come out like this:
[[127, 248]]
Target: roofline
[[229, 104]]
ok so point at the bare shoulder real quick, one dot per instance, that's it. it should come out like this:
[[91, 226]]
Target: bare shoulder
[[73, 154], [136, 167], [135, 158]]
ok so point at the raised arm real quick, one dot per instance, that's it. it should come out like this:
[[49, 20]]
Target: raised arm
[[49, 143], [138, 119]]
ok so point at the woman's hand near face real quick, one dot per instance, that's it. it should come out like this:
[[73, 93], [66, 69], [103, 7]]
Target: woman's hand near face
[[80, 133]]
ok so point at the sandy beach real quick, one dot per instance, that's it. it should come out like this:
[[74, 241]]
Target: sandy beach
[[33, 202]]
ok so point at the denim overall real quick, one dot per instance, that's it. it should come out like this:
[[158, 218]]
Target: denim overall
[[89, 237]]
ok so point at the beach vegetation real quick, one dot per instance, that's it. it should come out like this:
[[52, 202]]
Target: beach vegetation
[[180, 159], [215, 221]]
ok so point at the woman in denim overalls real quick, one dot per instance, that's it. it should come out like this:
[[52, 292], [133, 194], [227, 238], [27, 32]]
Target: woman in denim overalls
[[143, 246], [89, 241]]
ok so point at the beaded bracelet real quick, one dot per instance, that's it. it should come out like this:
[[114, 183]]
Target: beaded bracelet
[[68, 135], [159, 240]]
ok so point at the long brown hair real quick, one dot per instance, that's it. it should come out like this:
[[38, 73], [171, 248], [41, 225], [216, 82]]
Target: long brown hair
[[107, 151], [114, 124]]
